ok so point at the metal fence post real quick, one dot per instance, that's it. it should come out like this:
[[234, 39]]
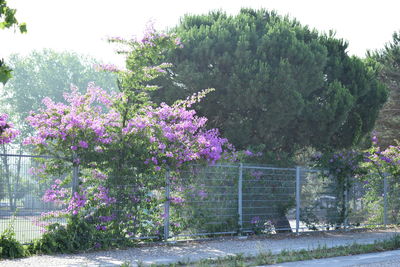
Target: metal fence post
[[75, 176], [166, 206], [385, 198], [346, 200], [298, 191], [240, 197]]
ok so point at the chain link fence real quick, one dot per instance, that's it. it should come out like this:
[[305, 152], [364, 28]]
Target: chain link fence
[[219, 199]]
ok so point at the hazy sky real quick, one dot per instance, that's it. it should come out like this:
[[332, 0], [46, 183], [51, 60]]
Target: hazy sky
[[83, 25]]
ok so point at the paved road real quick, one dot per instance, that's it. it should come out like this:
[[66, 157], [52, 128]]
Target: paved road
[[381, 259]]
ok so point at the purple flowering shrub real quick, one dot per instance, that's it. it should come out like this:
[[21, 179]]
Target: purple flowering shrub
[[379, 163], [123, 145], [7, 131], [368, 168], [386, 161], [86, 134]]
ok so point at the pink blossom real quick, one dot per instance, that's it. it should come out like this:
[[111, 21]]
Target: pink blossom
[[7, 131]]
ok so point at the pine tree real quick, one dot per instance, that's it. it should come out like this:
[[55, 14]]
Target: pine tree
[[388, 122], [280, 86]]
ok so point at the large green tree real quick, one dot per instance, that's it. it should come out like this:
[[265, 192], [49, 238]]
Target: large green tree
[[388, 61], [280, 86]]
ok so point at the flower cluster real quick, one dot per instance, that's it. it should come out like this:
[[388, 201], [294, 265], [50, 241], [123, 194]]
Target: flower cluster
[[77, 124], [176, 135], [340, 164], [102, 195], [77, 202], [387, 160], [56, 193], [7, 130]]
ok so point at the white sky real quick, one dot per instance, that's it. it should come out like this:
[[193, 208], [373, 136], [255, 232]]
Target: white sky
[[83, 25]]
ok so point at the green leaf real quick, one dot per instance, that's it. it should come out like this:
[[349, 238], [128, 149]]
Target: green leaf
[[22, 28]]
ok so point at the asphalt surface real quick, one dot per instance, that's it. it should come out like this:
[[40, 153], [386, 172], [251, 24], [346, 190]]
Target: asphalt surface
[[380, 259]]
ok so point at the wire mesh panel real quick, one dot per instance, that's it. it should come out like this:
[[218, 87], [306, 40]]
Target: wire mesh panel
[[268, 199], [319, 202], [392, 205], [133, 211], [357, 209], [204, 201], [328, 203], [21, 196], [197, 201], [381, 199]]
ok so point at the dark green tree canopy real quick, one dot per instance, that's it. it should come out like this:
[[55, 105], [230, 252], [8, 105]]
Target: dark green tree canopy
[[388, 61], [279, 85]]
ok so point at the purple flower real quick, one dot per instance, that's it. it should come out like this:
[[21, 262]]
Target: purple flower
[[77, 202], [202, 194], [77, 161], [7, 131], [107, 218], [255, 220], [83, 144], [99, 175], [248, 153], [103, 197], [176, 200], [388, 160], [101, 228]]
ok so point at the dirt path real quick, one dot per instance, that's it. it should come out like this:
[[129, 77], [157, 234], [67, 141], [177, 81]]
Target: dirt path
[[190, 251]]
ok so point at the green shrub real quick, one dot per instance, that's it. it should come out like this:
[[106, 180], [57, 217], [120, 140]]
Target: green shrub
[[79, 234], [10, 247]]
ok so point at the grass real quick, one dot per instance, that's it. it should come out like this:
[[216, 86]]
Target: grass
[[298, 255]]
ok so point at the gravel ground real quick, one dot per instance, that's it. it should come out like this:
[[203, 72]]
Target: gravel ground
[[191, 251]]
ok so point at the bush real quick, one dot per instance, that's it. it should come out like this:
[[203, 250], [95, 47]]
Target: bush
[[77, 235], [10, 247]]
